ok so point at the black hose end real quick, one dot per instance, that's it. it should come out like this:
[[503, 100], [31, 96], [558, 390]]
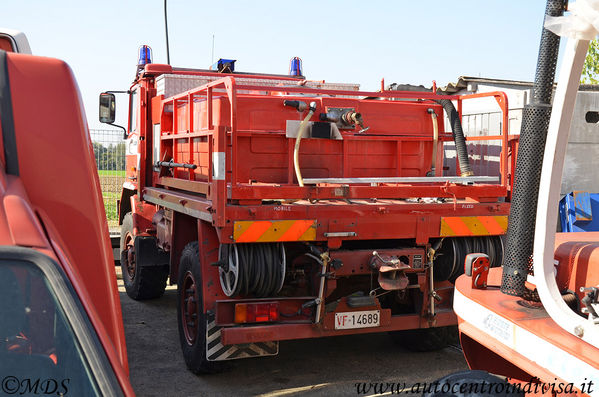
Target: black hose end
[[437, 245], [300, 106], [293, 104], [314, 249]]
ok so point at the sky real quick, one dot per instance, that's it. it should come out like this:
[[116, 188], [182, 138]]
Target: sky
[[345, 41]]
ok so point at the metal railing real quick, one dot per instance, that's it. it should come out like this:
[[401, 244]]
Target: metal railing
[[109, 151]]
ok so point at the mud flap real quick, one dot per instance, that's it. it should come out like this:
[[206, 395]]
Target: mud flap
[[147, 252], [216, 351]]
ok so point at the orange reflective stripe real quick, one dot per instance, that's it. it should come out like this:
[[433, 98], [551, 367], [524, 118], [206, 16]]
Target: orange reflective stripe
[[253, 232], [492, 225], [239, 228], [457, 227], [272, 231], [276, 231], [297, 231], [502, 221], [309, 234], [473, 225]]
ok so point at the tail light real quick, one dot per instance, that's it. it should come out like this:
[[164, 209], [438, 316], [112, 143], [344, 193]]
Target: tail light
[[256, 312]]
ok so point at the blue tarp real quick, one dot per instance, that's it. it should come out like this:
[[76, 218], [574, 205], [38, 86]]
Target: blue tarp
[[576, 212]]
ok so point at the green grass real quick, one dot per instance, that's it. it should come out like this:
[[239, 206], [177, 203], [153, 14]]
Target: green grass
[[111, 173], [111, 196], [110, 199]]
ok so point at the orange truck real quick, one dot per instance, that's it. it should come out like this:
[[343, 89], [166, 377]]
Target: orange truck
[[61, 330], [285, 208]]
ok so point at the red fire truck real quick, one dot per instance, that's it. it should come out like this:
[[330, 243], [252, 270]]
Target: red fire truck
[[285, 208]]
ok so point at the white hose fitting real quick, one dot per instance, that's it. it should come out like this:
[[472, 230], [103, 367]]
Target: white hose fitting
[[435, 137], [298, 139]]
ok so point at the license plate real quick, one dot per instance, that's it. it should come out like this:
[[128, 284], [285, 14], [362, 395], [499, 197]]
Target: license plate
[[365, 319]]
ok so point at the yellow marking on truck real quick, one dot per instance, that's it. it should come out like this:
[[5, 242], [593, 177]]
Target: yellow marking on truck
[[473, 225], [273, 231]]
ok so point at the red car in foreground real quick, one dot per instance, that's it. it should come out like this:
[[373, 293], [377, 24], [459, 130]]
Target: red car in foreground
[[61, 329]]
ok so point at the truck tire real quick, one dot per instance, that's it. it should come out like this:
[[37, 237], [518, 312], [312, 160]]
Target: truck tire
[[425, 339], [471, 383], [140, 282], [190, 315]]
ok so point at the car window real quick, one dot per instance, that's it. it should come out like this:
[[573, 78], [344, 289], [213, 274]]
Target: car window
[[40, 352]]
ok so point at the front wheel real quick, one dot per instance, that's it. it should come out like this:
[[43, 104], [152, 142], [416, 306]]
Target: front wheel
[[190, 314], [141, 282]]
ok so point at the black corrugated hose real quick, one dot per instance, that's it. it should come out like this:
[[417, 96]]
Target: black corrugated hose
[[458, 136], [454, 120]]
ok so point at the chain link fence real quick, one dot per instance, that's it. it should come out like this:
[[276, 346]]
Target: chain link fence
[[109, 151]]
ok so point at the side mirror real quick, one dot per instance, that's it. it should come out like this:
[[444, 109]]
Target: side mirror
[[107, 108]]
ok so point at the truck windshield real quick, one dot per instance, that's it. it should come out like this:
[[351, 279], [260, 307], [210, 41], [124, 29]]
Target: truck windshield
[[39, 351]]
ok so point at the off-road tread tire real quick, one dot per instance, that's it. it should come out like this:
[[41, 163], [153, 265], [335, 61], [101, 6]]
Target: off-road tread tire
[[195, 355], [425, 339], [148, 282]]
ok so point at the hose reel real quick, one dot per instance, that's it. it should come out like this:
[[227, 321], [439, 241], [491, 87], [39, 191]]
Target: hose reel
[[256, 269], [449, 260]]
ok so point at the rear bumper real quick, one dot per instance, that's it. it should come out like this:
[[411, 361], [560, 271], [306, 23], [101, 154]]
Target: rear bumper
[[279, 332]]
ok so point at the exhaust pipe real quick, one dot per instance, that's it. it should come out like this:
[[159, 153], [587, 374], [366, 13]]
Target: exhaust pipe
[[535, 122]]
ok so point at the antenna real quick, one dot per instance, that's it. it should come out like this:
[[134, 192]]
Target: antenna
[[168, 56], [212, 61]]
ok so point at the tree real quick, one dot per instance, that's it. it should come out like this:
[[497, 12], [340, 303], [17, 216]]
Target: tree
[[99, 153], [110, 158], [590, 70]]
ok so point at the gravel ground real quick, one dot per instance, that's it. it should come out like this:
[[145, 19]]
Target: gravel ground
[[311, 367]]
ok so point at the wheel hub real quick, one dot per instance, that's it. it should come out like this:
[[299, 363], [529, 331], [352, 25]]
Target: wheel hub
[[130, 255], [189, 308]]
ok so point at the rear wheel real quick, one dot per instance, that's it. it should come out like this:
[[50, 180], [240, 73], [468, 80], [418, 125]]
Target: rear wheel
[[425, 339], [141, 282], [190, 314]]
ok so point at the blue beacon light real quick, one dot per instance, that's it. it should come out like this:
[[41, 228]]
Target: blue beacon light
[[295, 67], [145, 55]]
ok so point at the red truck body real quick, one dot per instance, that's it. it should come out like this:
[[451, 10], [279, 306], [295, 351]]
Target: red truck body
[[214, 167]]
